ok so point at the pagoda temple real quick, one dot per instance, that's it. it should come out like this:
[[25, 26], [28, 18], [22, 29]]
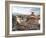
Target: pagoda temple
[[31, 23]]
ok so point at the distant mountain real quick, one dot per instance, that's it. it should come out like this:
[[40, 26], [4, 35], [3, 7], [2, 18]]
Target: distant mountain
[[18, 14], [14, 14]]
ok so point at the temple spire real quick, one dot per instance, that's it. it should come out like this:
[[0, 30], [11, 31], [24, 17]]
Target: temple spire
[[32, 14]]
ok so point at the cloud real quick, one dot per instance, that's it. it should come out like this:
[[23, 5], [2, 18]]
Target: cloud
[[25, 10]]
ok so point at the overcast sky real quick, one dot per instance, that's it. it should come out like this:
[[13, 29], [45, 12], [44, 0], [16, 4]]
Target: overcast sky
[[25, 10]]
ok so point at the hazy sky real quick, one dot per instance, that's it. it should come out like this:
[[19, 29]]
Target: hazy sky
[[25, 10]]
